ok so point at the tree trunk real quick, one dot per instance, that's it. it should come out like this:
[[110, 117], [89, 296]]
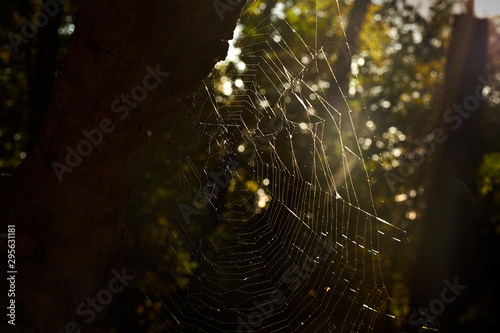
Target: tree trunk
[[67, 198], [41, 74], [445, 244], [349, 47]]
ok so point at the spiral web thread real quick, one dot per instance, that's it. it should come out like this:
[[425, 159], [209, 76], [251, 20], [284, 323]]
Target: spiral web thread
[[277, 210]]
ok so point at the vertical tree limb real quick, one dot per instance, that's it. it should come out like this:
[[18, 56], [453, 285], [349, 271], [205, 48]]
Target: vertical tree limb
[[69, 233]]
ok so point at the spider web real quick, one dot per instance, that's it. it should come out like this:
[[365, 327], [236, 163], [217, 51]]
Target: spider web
[[274, 202]]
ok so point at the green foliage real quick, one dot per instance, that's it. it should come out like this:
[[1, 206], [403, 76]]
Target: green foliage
[[489, 173]]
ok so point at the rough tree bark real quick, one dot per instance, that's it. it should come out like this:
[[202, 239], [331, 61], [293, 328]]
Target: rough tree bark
[[69, 234]]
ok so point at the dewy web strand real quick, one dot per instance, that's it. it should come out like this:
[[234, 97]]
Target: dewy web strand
[[275, 203]]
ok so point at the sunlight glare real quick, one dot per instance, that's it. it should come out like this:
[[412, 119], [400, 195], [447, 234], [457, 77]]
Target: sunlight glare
[[487, 8]]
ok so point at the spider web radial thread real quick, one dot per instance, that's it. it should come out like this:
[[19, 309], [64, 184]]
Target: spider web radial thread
[[280, 217]]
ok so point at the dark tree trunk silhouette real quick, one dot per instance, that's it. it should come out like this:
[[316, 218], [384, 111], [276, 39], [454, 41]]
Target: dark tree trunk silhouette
[[69, 233], [41, 74], [349, 47], [445, 242]]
